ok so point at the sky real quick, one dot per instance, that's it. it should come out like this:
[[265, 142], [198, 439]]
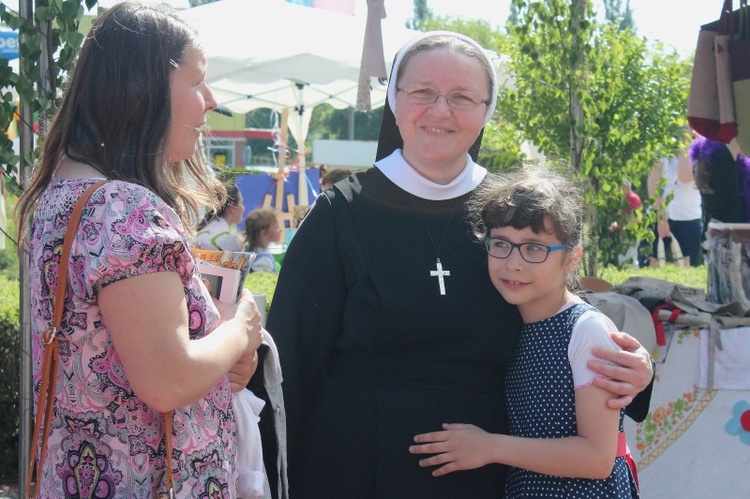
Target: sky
[[674, 22]]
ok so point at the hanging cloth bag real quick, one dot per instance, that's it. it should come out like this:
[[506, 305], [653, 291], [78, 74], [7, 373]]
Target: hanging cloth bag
[[739, 53], [710, 110]]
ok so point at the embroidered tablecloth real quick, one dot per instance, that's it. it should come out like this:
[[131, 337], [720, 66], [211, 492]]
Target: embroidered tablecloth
[[695, 443]]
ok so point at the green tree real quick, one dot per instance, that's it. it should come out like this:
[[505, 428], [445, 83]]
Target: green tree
[[480, 30], [48, 44], [422, 13], [621, 16], [330, 123], [599, 97]]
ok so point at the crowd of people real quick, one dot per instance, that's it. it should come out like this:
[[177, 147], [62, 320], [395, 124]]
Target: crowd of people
[[401, 328]]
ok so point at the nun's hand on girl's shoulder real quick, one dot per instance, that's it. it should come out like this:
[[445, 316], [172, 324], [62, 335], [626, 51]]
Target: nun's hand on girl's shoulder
[[629, 373]]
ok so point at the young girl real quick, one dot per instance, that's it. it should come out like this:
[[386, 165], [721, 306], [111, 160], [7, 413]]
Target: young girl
[[564, 441], [262, 229]]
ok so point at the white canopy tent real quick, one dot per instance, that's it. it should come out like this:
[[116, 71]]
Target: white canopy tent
[[279, 55]]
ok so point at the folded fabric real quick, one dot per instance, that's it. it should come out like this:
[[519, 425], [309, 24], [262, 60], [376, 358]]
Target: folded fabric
[[251, 482], [731, 360], [628, 314]]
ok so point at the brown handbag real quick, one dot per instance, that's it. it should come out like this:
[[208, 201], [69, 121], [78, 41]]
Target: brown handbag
[[51, 360]]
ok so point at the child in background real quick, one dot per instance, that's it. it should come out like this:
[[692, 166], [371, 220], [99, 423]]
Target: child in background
[[262, 229], [217, 229], [564, 441]]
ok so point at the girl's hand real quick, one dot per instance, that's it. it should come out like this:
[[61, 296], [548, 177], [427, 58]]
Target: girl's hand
[[459, 447]]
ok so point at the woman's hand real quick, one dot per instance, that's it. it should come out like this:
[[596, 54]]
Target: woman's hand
[[246, 315], [631, 374], [245, 312], [243, 370]]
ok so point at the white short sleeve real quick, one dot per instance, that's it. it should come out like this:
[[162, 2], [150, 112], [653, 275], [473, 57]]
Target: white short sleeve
[[591, 330]]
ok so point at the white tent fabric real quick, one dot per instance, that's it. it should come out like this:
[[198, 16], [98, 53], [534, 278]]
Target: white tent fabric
[[270, 53]]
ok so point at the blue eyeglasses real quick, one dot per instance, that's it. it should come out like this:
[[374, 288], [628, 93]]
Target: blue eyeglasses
[[530, 252]]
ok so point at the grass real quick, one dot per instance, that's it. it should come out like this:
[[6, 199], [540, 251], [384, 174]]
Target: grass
[[263, 283], [694, 277]]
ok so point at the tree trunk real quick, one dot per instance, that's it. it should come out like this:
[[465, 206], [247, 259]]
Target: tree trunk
[[577, 83]]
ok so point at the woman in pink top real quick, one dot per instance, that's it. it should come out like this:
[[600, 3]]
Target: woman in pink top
[[140, 334]]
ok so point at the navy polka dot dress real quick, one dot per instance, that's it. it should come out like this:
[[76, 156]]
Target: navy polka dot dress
[[541, 404]]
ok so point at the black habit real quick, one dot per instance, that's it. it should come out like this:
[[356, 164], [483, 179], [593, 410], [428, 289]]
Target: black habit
[[371, 352]]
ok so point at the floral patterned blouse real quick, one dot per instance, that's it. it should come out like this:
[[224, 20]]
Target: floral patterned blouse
[[105, 441]]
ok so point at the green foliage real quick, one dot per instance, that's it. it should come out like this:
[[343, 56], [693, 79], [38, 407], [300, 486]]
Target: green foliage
[[695, 277], [481, 30], [9, 368], [9, 261], [501, 147], [330, 123], [48, 45], [632, 100], [9, 266], [263, 283], [422, 13], [620, 15]]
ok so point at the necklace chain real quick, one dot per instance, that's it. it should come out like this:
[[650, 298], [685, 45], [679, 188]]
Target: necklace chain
[[439, 271], [445, 231]]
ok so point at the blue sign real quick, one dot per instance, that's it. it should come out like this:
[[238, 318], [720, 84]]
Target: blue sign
[[8, 44]]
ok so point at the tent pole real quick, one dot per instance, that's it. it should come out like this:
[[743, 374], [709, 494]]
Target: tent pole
[[302, 180], [282, 160]]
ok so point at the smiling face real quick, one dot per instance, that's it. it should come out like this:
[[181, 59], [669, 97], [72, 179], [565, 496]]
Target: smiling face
[[191, 100], [538, 289], [437, 137]]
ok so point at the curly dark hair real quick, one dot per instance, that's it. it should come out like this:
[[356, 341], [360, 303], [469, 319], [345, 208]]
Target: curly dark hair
[[545, 199]]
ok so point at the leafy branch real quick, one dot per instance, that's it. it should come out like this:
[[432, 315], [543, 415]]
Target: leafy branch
[[48, 45]]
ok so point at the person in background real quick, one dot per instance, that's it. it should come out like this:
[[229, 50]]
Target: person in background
[[633, 200], [140, 334], [718, 176], [562, 439], [330, 178], [217, 230], [682, 216], [631, 197], [375, 310], [261, 229]]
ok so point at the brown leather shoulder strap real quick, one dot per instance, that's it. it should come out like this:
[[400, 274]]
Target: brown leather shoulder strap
[[48, 381]]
